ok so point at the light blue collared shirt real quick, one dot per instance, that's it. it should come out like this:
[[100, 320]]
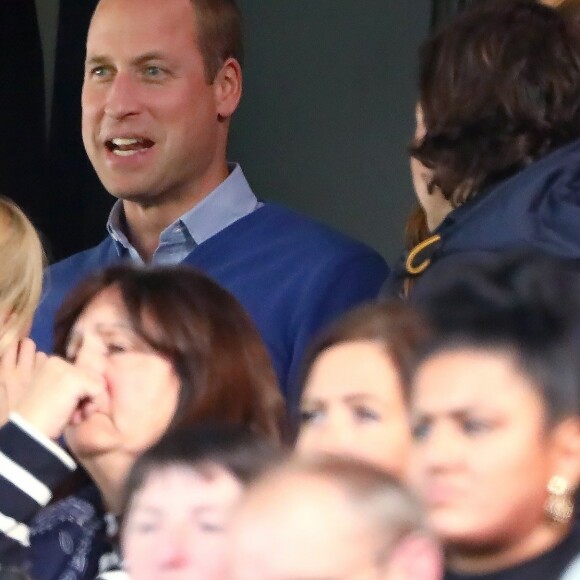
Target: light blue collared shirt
[[228, 202]]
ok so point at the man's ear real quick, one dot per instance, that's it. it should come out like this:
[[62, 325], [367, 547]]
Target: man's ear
[[228, 88], [415, 557]]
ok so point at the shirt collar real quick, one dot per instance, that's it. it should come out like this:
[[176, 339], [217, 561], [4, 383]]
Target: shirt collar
[[229, 201]]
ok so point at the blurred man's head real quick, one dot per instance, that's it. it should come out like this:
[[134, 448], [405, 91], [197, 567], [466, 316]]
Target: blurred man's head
[[331, 519]]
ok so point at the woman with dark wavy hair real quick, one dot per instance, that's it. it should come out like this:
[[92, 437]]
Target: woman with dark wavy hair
[[140, 352], [496, 151]]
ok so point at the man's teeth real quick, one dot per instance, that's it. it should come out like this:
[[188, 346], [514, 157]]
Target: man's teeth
[[121, 142], [126, 146]]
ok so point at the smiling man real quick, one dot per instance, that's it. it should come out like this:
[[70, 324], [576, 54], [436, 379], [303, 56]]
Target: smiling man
[[162, 81]]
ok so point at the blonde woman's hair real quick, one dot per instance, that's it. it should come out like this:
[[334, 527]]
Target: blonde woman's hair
[[21, 265]]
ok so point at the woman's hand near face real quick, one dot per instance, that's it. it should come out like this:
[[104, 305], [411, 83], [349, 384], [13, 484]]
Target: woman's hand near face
[[60, 394], [17, 366]]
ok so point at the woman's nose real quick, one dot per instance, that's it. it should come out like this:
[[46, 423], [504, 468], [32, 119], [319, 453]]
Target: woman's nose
[[336, 435], [89, 356], [443, 448]]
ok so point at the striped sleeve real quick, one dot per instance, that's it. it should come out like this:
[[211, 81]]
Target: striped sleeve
[[30, 466]]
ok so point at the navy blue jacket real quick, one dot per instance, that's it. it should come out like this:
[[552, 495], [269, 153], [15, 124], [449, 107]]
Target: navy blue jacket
[[537, 209], [64, 539]]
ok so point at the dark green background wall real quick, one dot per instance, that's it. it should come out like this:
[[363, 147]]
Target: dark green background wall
[[328, 109]]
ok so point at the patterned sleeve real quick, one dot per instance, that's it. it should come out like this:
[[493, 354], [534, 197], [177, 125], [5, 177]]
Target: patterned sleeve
[[30, 466]]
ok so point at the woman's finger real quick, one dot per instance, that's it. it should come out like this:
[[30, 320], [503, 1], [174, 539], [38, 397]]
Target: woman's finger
[[26, 354], [9, 358]]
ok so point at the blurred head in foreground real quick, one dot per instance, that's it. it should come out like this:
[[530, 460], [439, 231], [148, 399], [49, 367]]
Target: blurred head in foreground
[[330, 518], [179, 497]]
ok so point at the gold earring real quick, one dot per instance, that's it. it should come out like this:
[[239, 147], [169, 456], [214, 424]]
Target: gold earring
[[559, 505]]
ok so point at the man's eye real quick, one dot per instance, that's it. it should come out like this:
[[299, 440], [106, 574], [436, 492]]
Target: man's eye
[[99, 71], [210, 527], [154, 72], [144, 527]]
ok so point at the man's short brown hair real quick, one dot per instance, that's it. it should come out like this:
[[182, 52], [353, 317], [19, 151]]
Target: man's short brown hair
[[219, 28]]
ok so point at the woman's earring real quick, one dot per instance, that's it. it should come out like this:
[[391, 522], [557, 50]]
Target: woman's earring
[[559, 505]]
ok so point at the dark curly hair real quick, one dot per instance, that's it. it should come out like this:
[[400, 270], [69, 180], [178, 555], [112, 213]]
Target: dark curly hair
[[499, 89], [521, 304]]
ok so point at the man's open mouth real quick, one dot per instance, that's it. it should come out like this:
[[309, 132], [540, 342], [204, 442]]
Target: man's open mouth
[[125, 146]]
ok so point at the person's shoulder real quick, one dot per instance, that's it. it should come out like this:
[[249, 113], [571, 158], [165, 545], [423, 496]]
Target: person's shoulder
[[61, 276], [88, 259], [305, 232], [59, 279]]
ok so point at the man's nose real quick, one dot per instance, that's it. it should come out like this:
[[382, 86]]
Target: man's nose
[[122, 98], [173, 549]]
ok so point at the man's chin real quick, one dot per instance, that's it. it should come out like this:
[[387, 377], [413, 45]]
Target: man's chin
[[136, 196]]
